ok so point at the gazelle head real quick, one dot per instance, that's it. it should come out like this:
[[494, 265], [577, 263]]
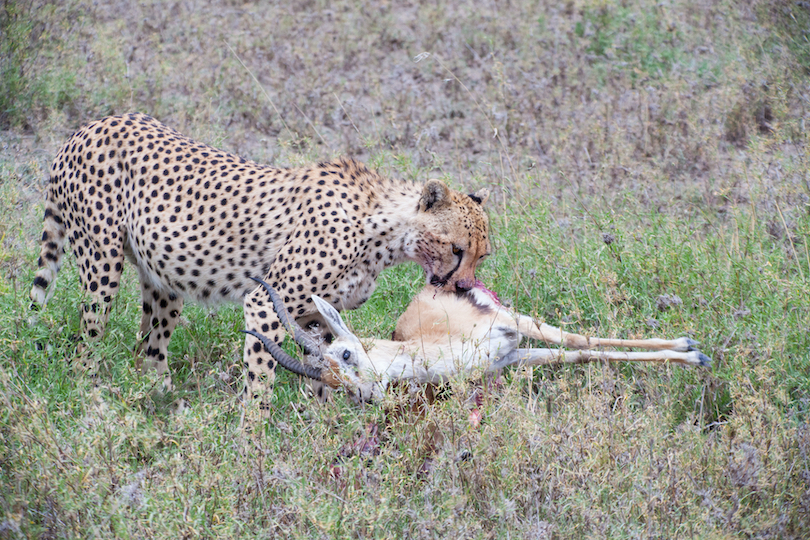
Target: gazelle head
[[347, 364]]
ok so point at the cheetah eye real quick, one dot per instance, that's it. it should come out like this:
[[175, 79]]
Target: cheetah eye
[[457, 251], [347, 355]]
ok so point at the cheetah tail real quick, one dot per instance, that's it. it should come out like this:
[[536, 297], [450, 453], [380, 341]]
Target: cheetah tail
[[50, 257]]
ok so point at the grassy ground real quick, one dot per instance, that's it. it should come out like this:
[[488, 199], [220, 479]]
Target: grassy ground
[[637, 152]]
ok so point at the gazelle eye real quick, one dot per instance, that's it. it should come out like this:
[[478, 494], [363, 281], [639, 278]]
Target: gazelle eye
[[347, 355], [457, 250]]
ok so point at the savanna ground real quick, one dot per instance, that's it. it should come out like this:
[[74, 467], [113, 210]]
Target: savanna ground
[[649, 169]]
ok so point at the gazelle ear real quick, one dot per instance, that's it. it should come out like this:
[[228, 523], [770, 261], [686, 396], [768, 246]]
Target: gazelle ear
[[331, 317], [434, 195], [480, 196]]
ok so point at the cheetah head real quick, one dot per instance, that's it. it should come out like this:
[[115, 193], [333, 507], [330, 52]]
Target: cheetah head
[[452, 236]]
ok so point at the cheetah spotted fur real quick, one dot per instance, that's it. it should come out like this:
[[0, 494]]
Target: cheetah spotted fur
[[198, 223]]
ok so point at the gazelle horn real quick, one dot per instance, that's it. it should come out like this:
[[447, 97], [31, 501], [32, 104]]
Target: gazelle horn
[[300, 336], [285, 360]]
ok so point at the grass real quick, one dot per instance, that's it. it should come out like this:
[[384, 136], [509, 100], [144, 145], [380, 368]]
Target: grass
[[636, 152]]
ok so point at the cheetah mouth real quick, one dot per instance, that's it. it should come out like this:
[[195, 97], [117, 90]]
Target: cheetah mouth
[[442, 282], [437, 281]]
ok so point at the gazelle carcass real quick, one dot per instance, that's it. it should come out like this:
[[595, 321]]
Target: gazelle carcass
[[443, 334]]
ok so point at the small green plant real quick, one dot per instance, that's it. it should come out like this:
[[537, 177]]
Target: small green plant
[[16, 52], [792, 28], [643, 39]]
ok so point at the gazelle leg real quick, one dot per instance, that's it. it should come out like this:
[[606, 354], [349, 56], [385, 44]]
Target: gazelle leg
[[540, 357], [556, 336]]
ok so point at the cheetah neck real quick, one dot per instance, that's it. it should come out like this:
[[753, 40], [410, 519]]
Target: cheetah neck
[[393, 224], [386, 229]]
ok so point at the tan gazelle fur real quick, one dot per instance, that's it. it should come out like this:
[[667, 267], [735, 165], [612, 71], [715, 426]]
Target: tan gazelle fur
[[443, 334]]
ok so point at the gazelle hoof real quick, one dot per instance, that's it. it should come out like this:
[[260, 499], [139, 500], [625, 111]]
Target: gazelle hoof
[[685, 344]]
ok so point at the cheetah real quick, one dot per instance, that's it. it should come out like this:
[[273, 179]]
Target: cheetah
[[198, 223]]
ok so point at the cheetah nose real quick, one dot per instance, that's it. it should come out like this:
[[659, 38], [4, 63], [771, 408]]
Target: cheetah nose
[[464, 285]]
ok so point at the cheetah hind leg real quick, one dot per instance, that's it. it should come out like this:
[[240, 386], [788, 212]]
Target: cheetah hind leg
[[94, 320], [161, 313], [100, 274]]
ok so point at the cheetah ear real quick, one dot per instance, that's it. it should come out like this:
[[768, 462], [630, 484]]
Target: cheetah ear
[[434, 195], [480, 196]]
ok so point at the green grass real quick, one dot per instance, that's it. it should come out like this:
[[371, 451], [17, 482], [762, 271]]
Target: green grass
[[635, 151], [643, 449]]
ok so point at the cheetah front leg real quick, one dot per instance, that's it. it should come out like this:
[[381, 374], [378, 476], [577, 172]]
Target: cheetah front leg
[[259, 364], [314, 325], [161, 312], [260, 316]]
